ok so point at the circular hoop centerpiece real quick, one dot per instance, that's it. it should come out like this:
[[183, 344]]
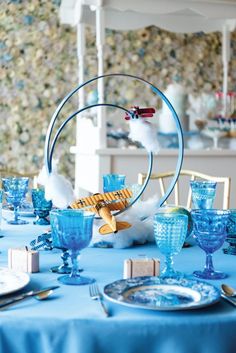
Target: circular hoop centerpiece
[[50, 141]]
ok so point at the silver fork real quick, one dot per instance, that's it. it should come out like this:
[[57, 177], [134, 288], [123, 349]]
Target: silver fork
[[95, 294]]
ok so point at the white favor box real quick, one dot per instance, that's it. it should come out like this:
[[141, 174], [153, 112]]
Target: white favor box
[[141, 267], [22, 259]]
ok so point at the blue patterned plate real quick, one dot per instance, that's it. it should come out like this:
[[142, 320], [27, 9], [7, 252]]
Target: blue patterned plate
[[156, 293]]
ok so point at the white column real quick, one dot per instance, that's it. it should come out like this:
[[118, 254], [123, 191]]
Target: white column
[[80, 55], [100, 40], [225, 59], [81, 48]]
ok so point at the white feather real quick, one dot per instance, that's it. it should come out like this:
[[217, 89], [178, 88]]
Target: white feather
[[145, 133], [57, 188], [43, 174]]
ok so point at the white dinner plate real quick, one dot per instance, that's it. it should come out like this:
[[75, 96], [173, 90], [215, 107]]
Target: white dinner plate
[[11, 280], [167, 294]]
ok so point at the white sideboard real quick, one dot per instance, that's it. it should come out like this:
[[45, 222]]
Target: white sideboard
[[92, 165]]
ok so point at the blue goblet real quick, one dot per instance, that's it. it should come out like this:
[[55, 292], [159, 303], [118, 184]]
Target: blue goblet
[[203, 193], [209, 228], [64, 268], [1, 198], [42, 207], [73, 231], [113, 182], [15, 190], [170, 230], [231, 233]]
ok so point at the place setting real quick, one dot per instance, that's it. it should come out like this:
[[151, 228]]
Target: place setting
[[12, 288], [172, 290]]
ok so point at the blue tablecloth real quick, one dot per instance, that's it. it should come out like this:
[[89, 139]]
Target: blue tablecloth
[[70, 322]]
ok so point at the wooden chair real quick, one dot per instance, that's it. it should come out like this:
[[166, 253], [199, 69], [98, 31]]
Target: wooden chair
[[192, 175]]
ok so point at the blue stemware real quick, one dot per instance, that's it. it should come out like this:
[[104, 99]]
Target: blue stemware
[[64, 268], [209, 230], [15, 190], [170, 230], [113, 182], [1, 198], [203, 193], [231, 233], [73, 231], [42, 207]]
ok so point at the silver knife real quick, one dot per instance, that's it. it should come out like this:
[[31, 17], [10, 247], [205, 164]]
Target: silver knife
[[230, 300], [8, 302]]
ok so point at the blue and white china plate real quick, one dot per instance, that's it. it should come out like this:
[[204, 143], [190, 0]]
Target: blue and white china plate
[[11, 280], [156, 293]]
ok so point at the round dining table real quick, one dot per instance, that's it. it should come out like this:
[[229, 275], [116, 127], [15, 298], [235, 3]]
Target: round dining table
[[69, 321]]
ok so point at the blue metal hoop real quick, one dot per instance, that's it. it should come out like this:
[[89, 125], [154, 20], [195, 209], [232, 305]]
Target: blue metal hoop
[[49, 148]]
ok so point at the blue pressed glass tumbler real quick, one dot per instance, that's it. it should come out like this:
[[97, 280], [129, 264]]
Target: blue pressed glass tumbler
[[15, 190], [73, 231], [209, 229], [1, 197], [41, 206], [112, 182], [231, 233], [203, 193], [170, 231]]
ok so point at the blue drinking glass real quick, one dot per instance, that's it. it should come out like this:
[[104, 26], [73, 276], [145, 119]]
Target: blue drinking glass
[[170, 230], [64, 268], [1, 198], [15, 190], [113, 182], [203, 193], [209, 230], [72, 230], [231, 233], [42, 207]]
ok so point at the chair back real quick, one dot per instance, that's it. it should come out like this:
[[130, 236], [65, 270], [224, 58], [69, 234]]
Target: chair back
[[186, 176]]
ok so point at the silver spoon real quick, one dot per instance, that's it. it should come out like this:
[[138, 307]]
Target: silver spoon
[[228, 291], [43, 295], [39, 295]]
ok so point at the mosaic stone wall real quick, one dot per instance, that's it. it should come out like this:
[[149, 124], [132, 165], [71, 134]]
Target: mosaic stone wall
[[39, 67]]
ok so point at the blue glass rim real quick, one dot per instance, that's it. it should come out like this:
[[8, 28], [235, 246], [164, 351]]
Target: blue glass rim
[[203, 183], [68, 212], [1, 195], [174, 215], [15, 178], [210, 212], [37, 190], [113, 175]]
